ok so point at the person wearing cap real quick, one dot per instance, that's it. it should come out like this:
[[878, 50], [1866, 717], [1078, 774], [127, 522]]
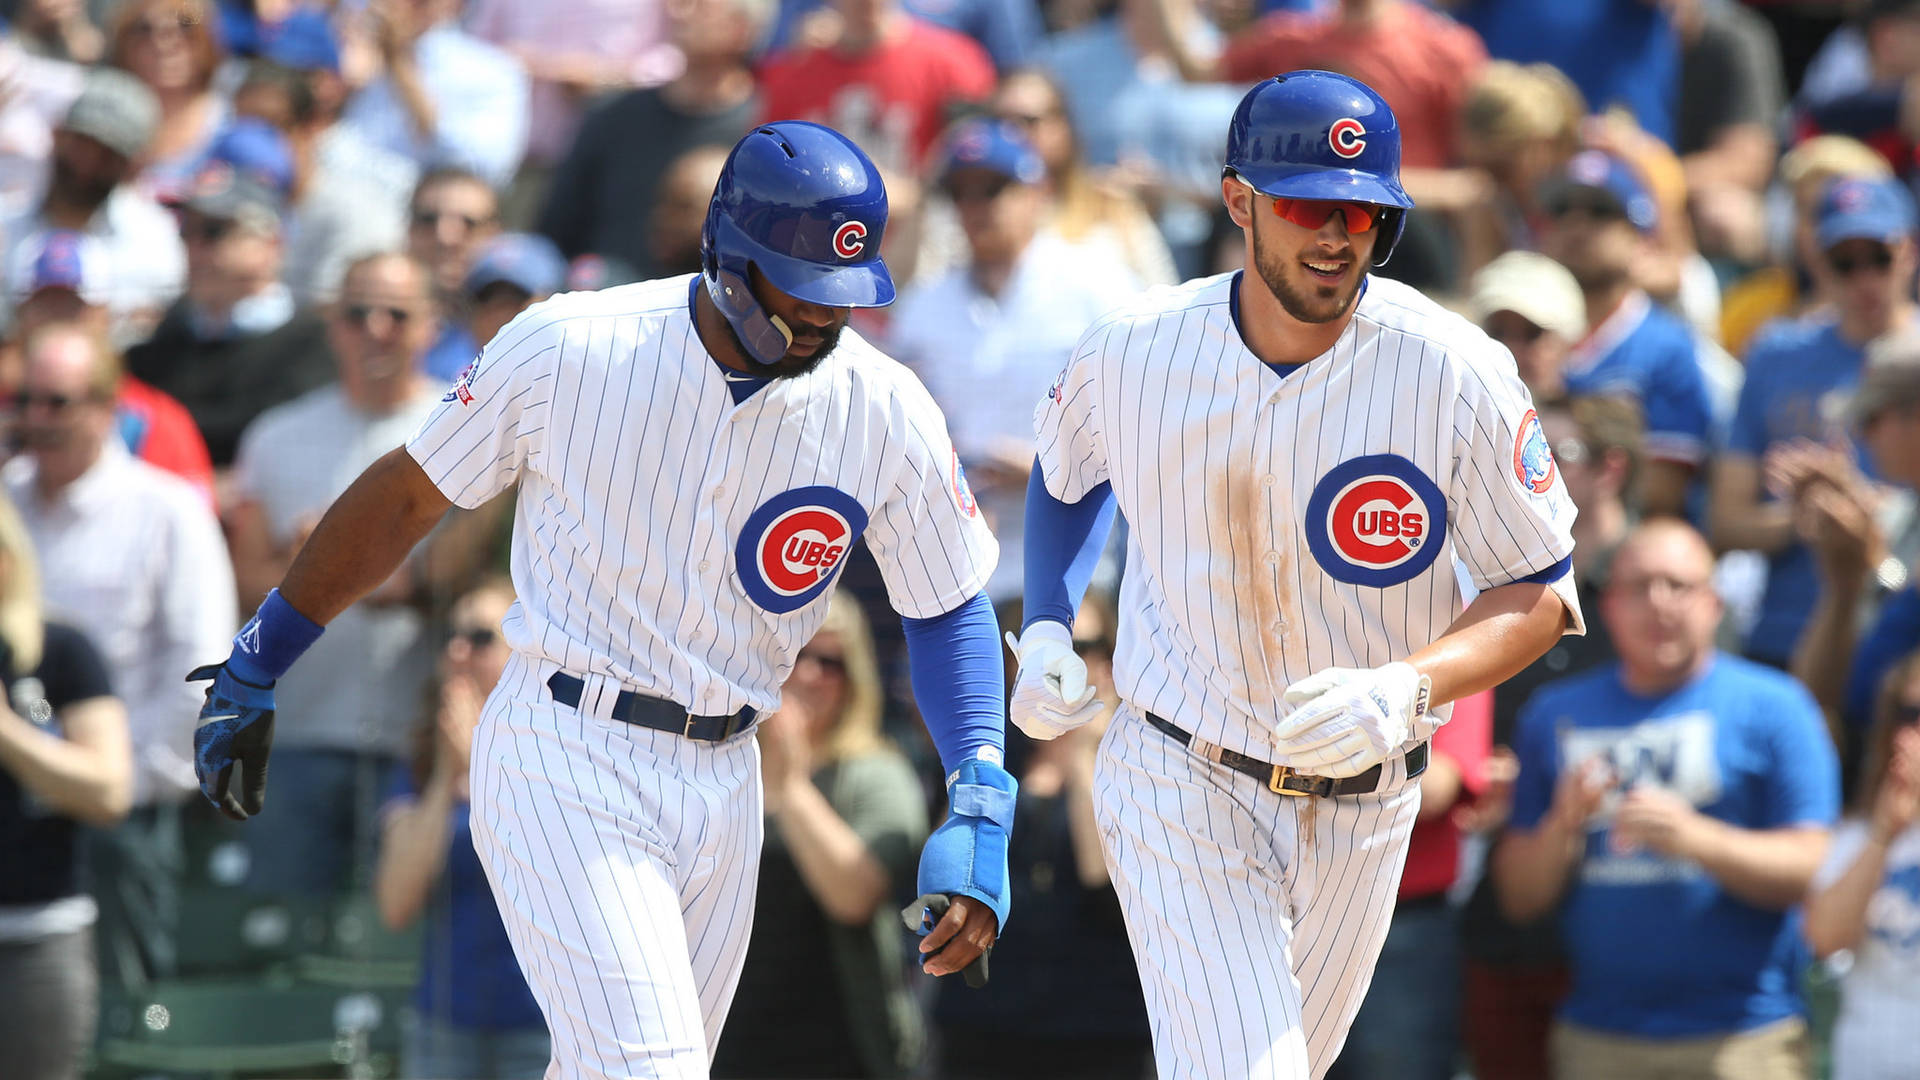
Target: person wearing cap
[[1601, 220], [1842, 663], [235, 344], [989, 335], [1534, 307], [512, 272], [1786, 427], [65, 279], [109, 126]]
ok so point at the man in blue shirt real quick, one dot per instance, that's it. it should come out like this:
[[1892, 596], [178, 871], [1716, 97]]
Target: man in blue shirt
[[1601, 219], [1798, 379], [1675, 805]]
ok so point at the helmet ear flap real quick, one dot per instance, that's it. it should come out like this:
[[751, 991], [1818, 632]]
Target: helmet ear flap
[[1393, 222], [766, 337]]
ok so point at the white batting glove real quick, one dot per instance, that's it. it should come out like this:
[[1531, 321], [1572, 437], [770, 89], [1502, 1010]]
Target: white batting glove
[[1050, 695], [1347, 720]]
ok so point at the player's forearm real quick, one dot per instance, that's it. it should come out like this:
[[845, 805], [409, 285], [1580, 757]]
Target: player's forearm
[[839, 870], [364, 537], [1837, 914], [1768, 868], [1502, 631], [1531, 868]]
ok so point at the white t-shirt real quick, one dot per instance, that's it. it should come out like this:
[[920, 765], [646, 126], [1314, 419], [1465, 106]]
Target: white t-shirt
[[1877, 1035]]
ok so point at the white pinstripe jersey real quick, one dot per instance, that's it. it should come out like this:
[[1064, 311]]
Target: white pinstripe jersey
[[1281, 525], [674, 542]]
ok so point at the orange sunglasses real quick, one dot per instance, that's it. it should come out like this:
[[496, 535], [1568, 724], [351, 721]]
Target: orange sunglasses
[[1314, 213]]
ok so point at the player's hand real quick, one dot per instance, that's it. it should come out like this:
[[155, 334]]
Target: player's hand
[[1347, 720], [1051, 695], [966, 860], [959, 933], [235, 728]]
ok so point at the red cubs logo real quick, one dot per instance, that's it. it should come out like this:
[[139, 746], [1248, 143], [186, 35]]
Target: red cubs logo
[[1347, 137], [801, 547], [850, 239], [793, 544], [1377, 521]]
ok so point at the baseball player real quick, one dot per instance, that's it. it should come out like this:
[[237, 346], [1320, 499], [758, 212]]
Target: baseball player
[[695, 456], [1304, 452]]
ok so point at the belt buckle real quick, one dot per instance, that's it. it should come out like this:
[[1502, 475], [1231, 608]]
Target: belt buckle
[[686, 730], [1279, 777]]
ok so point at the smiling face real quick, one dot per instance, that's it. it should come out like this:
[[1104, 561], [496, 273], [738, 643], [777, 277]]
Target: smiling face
[[1314, 273]]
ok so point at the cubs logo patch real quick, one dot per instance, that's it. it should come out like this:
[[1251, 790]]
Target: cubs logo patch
[[1376, 520], [1533, 462], [793, 543], [1058, 391], [462, 389], [850, 239], [1347, 137], [962, 494]]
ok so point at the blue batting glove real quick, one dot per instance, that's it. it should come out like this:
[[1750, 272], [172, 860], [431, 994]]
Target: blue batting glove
[[967, 854], [235, 728]]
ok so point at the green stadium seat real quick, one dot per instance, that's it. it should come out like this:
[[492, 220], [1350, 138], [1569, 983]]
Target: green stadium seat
[[242, 1027]]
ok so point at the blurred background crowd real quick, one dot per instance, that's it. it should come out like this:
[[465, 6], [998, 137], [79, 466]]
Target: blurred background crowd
[[246, 244]]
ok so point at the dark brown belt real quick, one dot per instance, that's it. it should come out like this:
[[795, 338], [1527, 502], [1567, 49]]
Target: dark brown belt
[[1282, 780]]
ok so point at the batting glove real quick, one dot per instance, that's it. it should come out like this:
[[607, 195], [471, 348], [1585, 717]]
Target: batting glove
[[235, 728], [967, 854], [1050, 696], [1347, 720]]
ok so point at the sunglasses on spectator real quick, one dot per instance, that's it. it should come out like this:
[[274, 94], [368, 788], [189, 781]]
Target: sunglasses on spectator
[[430, 219], [155, 25], [1592, 206], [206, 230], [54, 403], [983, 189], [361, 315], [1880, 258], [835, 664], [478, 637]]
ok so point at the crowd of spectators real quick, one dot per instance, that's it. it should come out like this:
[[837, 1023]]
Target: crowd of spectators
[[246, 245]]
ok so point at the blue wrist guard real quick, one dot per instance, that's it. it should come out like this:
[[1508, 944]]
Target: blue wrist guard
[[271, 641], [967, 854]]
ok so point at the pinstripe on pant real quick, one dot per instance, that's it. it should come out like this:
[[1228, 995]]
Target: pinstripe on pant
[[624, 862], [1255, 948]]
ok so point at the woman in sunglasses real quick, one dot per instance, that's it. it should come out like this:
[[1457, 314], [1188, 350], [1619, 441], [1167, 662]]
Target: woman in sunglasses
[[824, 990], [1866, 898], [476, 1019]]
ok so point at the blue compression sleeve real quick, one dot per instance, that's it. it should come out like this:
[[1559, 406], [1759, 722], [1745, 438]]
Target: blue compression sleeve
[[960, 681], [1064, 541]]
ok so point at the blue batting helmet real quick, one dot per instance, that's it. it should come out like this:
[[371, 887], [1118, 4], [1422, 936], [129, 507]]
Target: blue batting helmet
[[1318, 135], [806, 207]]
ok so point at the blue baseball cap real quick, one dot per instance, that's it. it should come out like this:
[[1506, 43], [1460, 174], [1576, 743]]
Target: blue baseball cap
[[994, 145], [303, 41], [526, 261], [1862, 208], [255, 149], [61, 259], [1597, 170]]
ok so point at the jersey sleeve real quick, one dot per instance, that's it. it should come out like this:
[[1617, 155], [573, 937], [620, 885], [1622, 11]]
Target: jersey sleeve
[[1679, 415], [493, 420], [1067, 426], [934, 549], [1509, 506]]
